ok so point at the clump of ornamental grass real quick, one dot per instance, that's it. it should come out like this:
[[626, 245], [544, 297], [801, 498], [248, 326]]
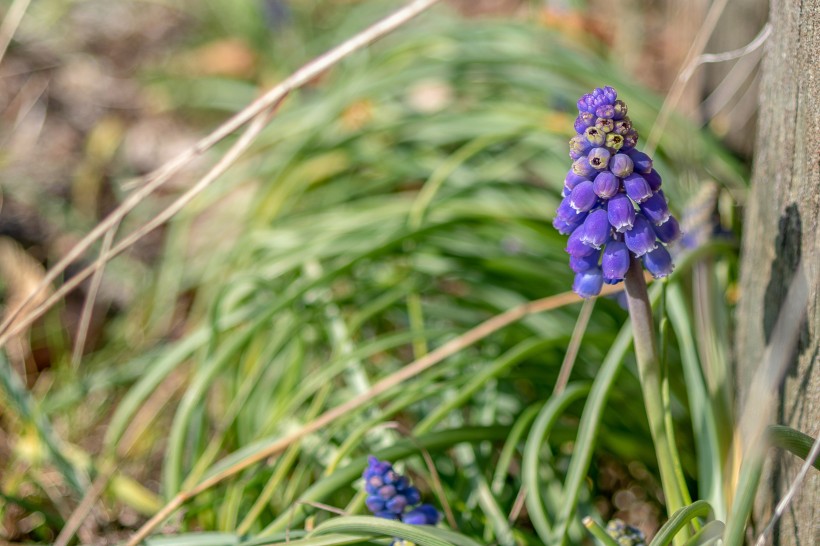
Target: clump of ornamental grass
[[613, 205]]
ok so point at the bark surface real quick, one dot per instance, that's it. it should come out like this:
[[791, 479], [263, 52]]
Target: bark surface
[[781, 230]]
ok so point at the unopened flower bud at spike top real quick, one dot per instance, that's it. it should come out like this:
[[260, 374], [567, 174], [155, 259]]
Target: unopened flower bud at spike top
[[613, 206]]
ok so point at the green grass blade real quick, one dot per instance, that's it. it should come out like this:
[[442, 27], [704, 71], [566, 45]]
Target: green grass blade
[[530, 463], [667, 533]]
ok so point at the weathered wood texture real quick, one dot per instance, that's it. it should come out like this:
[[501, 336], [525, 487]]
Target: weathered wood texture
[[781, 229]]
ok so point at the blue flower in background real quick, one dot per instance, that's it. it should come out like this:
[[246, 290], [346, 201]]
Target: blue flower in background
[[625, 535], [390, 495], [613, 204]]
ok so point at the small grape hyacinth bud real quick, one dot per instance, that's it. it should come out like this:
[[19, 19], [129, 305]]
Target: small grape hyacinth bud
[[594, 136], [575, 247], [579, 146], [615, 261], [621, 213], [599, 158], [622, 126], [606, 185], [637, 188], [641, 238], [655, 208], [425, 514], [596, 229], [630, 139], [573, 179], [604, 124], [621, 165], [582, 167], [566, 227], [669, 231], [643, 163], [588, 283], [613, 206], [653, 179], [583, 197], [614, 142], [658, 262], [625, 535], [565, 212], [579, 264], [620, 109], [584, 120], [605, 111]]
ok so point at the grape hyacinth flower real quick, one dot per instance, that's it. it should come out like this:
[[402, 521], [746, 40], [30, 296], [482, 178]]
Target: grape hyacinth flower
[[613, 204], [625, 535], [390, 495]]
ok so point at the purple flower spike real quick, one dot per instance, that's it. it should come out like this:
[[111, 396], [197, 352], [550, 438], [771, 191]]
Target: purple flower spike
[[653, 179], [582, 167], [637, 188], [658, 262], [606, 185], [596, 229], [621, 213], [621, 165], [643, 163], [655, 209], [641, 238], [669, 231], [583, 197], [613, 205], [390, 495], [575, 247], [588, 283], [615, 261], [599, 158], [594, 136], [579, 264]]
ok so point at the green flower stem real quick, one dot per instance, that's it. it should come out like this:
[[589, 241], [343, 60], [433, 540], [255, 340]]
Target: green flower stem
[[599, 532], [646, 353]]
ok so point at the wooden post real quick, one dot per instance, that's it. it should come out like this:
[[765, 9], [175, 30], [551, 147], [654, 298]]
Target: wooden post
[[782, 229]]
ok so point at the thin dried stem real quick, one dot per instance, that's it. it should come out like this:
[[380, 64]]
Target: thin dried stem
[[159, 177], [413, 369], [91, 297], [689, 64], [574, 345], [789, 496]]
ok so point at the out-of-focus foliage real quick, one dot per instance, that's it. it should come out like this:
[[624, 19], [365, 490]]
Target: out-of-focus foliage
[[395, 203]]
